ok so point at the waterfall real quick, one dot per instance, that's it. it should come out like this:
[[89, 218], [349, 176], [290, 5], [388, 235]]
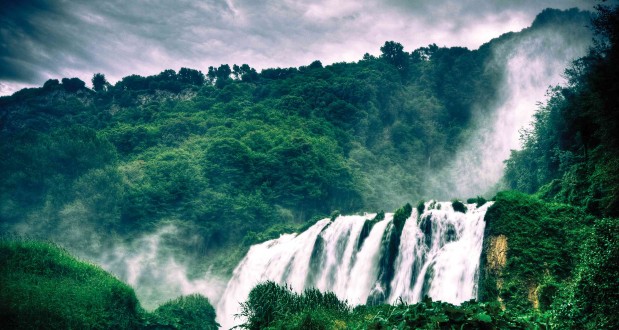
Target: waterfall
[[437, 255]]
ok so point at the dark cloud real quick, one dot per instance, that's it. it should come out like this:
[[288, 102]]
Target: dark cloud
[[42, 39]]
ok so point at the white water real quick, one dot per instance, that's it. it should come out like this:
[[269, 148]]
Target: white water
[[532, 62], [438, 256]]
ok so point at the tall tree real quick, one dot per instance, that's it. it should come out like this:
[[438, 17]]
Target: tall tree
[[99, 83], [393, 52]]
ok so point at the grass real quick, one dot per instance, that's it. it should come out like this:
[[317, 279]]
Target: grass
[[43, 287]]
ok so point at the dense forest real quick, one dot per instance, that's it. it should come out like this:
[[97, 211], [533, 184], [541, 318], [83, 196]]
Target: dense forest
[[234, 157], [234, 152]]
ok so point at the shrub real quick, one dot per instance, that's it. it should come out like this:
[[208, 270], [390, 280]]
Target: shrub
[[421, 206], [400, 216], [479, 200], [188, 312], [458, 206], [270, 303], [276, 307]]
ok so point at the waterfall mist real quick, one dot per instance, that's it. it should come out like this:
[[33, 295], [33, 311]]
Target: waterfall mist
[[157, 269], [532, 62], [156, 263]]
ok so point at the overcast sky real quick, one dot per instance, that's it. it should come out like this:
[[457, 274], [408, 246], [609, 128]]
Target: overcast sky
[[43, 39]]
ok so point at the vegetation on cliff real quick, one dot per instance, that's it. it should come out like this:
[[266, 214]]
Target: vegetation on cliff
[[42, 286], [558, 256]]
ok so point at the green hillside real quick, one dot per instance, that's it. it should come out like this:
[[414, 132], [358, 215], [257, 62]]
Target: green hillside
[[233, 152], [43, 287]]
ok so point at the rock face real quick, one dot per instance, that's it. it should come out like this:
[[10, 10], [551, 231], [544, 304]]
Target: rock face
[[530, 246], [492, 263]]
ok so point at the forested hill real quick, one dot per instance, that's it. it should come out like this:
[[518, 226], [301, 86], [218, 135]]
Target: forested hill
[[571, 153], [231, 153]]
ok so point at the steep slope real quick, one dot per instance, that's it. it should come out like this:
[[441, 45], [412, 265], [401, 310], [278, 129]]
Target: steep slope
[[44, 287]]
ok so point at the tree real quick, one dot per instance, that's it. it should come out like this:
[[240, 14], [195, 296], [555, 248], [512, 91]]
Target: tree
[[99, 83], [315, 65], [244, 73], [191, 76], [393, 52], [223, 75], [51, 84], [73, 84]]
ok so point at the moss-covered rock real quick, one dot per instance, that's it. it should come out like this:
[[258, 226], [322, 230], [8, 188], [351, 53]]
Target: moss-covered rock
[[529, 246], [400, 216], [458, 206]]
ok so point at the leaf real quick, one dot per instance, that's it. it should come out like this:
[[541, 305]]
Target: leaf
[[482, 317]]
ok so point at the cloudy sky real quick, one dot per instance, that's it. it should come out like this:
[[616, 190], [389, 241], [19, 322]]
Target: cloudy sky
[[43, 39]]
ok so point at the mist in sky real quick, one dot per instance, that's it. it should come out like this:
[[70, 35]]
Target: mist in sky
[[43, 39]]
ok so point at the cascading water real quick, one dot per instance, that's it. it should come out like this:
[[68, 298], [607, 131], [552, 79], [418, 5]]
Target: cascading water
[[438, 256]]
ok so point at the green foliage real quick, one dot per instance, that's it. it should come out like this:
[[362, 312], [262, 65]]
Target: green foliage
[[73, 85], [393, 53], [421, 207], [479, 200], [269, 305], [543, 245], [400, 216], [440, 315], [569, 156], [272, 306], [458, 206], [591, 300], [99, 83], [43, 287], [187, 312], [226, 152]]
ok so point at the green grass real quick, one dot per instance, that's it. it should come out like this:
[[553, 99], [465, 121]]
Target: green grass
[[43, 287]]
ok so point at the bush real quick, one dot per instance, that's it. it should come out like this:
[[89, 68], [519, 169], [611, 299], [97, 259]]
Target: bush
[[269, 304], [276, 307], [189, 312], [400, 216], [592, 300], [458, 206], [421, 206], [479, 200]]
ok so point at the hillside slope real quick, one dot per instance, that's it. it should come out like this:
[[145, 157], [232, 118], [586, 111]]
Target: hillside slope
[[43, 287]]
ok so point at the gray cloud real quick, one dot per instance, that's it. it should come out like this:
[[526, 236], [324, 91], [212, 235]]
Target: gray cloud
[[42, 39]]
